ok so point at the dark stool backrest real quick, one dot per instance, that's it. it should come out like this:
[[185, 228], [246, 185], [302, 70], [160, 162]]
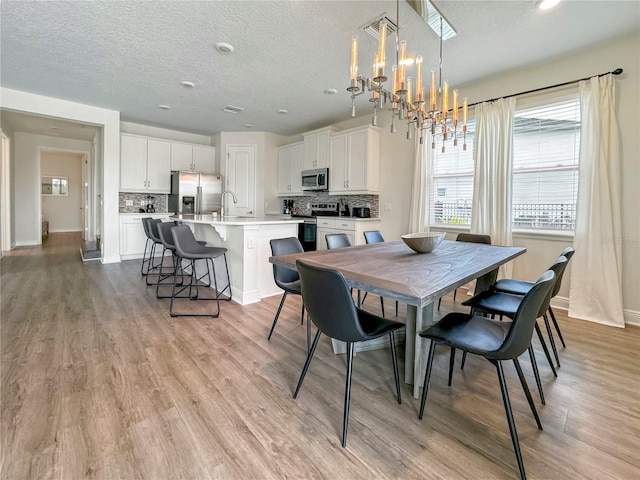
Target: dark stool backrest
[[559, 266], [328, 300], [519, 336], [166, 237], [337, 240], [145, 225], [285, 246], [184, 241], [153, 230], [373, 236], [485, 281], [473, 238]]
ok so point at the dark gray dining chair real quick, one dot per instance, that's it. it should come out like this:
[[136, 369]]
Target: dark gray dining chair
[[337, 240], [483, 282], [375, 236], [497, 342], [287, 278], [328, 301], [521, 287]]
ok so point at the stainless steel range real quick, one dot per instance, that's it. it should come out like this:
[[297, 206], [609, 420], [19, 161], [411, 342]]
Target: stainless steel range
[[307, 230]]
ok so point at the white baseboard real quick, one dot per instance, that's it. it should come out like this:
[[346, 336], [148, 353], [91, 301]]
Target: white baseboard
[[631, 317], [64, 230]]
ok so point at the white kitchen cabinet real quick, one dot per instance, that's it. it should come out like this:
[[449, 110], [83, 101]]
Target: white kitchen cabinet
[[194, 158], [145, 165], [352, 227], [355, 161], [132, 236], [316, 148], [290, 159]]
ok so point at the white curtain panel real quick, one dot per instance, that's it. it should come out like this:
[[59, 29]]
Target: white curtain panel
[[419, 207], [492, 182], [596, 278]]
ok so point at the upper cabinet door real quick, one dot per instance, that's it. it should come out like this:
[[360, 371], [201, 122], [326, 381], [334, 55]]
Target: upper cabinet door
[[357, 165], [133, 163], [284, 170], [204, 158], [158, 166], [339, 164], [310, 149], [297, 157], [322, 149], [182, 157]]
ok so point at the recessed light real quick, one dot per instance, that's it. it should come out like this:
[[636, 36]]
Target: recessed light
[[283, 110], [330, 91], [164, 107], [224, 47], [547, 4], [248, 125], [187, 84]]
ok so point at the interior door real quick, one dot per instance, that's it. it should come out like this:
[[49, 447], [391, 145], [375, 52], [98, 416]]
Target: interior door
[[240, 178]]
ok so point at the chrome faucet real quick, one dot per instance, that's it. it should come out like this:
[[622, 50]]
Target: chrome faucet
[[235, 200]]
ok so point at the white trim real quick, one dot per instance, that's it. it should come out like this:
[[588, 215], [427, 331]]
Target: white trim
[[64, 230], [5, 201], [632, 317]]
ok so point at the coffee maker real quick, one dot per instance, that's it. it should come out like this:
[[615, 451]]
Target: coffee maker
[[150, 208], [288, 207]]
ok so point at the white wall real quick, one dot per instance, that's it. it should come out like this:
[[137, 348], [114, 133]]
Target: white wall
[[8, 131], [26, 189], [622, 53], [64, 213], [109, 120]]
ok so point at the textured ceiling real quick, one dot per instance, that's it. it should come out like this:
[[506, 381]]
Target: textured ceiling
[[131, 56]]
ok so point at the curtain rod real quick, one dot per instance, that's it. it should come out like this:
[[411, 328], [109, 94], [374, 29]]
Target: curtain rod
[[617, 71]]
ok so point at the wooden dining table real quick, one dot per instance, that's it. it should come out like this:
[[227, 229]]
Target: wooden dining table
[[392, 270]]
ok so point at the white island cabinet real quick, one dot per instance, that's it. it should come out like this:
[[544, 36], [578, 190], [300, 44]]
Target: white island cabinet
[[132, 236], [248, 250]]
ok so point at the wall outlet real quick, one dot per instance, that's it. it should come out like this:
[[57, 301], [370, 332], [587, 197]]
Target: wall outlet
[[142, 203], [308, 206], [387, 207], [250, 243], [129, 203]]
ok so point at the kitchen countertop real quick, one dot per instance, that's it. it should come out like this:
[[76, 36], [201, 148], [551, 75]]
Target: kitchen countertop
[[234, 220], [359, 219]]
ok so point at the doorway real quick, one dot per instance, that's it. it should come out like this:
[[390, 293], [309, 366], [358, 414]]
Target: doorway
[[240, 173], [5, 195]]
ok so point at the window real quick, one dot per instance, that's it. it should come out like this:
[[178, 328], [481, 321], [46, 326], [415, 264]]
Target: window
[[546, 147], [452, 183], [55, 186]]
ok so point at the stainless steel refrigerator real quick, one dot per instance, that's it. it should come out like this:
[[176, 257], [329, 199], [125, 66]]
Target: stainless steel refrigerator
[[195, 193]]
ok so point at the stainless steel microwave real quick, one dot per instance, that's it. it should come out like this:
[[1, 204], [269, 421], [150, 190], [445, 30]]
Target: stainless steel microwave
[[317, 179]]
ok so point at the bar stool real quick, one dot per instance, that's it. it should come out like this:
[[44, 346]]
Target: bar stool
[[187, 248], [149, 246]]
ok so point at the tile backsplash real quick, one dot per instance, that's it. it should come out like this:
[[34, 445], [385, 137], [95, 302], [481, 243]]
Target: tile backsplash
[[140, 200], [300, 203]]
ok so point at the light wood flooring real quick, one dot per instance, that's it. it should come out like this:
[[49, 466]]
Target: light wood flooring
[[98, 381]]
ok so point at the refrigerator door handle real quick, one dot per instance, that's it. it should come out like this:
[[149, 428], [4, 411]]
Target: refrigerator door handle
[[198, 200]]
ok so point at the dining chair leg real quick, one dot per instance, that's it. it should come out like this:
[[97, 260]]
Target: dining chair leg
[[275, 320], [394, 357], [510, 421], [427, 375], [396, 308], [527, 392], [454, 294], [464, 359], [555, 324], [452, 361], [439, 303], [347, 394], [302, 315], [536, 373], [382, 306], [551, 339], [307, 363], [545, 349], [308, 333]]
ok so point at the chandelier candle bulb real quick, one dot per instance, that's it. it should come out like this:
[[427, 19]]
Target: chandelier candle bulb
[[402, 67], [433, 93], [445, 99], [465, 112], [455, 107], [382, 46], [419, 92], [354, 62], [394, 85], [409, 99]]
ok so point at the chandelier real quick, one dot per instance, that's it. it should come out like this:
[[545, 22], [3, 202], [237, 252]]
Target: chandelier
[[406, 100]]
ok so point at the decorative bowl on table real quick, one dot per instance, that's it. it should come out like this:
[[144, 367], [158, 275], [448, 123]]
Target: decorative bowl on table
[[423, 242]]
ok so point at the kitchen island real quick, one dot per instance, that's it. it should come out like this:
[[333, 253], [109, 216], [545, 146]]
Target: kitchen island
[[248, 250]]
